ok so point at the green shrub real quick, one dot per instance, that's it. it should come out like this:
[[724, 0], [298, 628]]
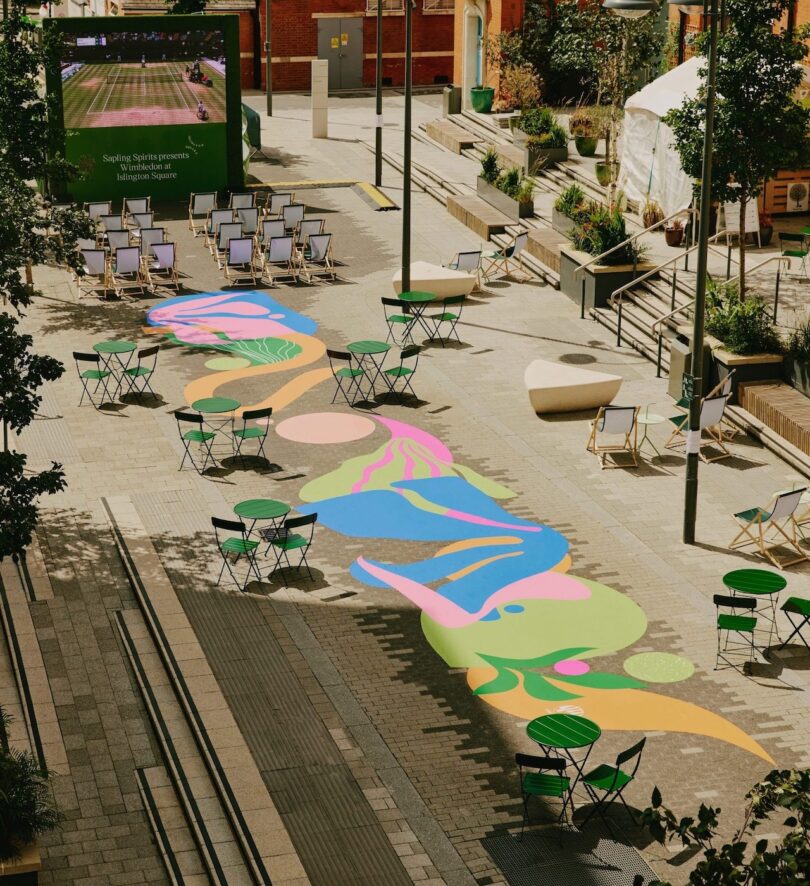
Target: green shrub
[[798, 345], [556, 137], [581, 124], [536, 121], [600, 229], [525, 192], [745, 326], [509, 182], [490, 166], [570, 201]]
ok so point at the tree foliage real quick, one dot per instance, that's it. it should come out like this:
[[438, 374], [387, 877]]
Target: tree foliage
[[759, 126], [185, 7]]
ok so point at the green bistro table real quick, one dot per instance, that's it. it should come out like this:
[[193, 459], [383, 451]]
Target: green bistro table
[[256, 509], [762, 584], [370, 357], [419, 303], [116, 356], [218, 406], [566, 733]]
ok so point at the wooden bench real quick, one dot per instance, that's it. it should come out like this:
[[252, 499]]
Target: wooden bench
[[450, 135], [545, 244], [511, 155], [782, 408], [478, 215]]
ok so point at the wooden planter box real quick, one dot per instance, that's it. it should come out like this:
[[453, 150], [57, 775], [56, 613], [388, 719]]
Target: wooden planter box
[[561, 223], [500, 201], [755, 367], [601, 281], [24, 871], [797, 375]]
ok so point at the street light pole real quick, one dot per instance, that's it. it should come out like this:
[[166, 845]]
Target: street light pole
[[268, 52], [379, 122], [406, 152]]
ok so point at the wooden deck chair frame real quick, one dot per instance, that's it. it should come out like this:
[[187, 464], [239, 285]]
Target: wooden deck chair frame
[[226, 232], [306, 228], [95, 209], [149, 237], [621, 421], [136, 205], [239, 260], [216, 218], [96, 268], [269, 228], [508, 257], [316, 258], [780, 521], [249, 217], [722, 388], [276, 201], [469, 262], [278, 259], [161, 269], [117, 240], [712, 410], [292, 213], [200, 206], [126, 270], [242, 200]]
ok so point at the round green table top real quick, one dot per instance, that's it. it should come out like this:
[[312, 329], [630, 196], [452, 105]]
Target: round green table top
[[261, 509], [417, 296], [216, 404], [754, 581], [563, 731], [368, 347], [114, 347]]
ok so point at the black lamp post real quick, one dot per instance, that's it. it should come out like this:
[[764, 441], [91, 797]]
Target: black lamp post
[[378, 106], [268, 51], [406, 152]]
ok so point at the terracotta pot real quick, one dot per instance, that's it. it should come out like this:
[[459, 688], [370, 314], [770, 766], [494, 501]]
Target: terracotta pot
[[673, 236]]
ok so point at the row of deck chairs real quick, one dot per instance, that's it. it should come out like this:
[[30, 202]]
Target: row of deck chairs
[[202, 205], [127, 268]]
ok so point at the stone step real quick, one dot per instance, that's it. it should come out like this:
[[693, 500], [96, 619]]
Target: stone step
[[545, 244], [478, 215], [450, 135], [782, 408]]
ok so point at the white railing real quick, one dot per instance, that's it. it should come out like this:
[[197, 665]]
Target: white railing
[[387, 5], [439, 5]]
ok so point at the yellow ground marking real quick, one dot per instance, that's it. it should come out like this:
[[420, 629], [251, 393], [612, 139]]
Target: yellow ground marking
[[478, 543], [480, 564]]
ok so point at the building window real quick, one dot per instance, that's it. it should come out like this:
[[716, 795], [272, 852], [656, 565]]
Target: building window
[[438, 6], [387, 5]]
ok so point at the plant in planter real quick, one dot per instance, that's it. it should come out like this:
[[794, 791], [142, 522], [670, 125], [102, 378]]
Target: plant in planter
[[519, 87], [506, 190], [797, 357], [765, 228], [490, 166], [570, 201], [651, 213], [674, 231], [26, 804], [582, 126], [603, 229], [542, 136], [743, 325], [509, 182], [481, 98]]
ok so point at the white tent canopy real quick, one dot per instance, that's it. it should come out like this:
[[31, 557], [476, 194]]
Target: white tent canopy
[[650, 166]]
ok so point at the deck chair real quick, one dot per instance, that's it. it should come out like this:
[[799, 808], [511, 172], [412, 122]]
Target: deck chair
[[721, 389], [226, 232], [712, 410], [469, 263], [316, 258], [795, 246], [161, 268], [278, 259], [398, 378], [276, 202], [138, 378], [194, 436], [504, 260], [95, 271], [239, 260], [95, 376], [232, 542], [757, 524], [615, 421], [242, 201], [142, 220], [546, 780], [306, 228], [449, 315], [136, 205], [200, 207], [86, 243], [731, 622], [268, 229], [249, 216], [801, 609], [149, 237], [606, 783], [99, 208], [117, 240], [346, 374], [125, 270], [292, 214], [397, 316], [216, 218], [252, 431], [285, 542], [109, 223]]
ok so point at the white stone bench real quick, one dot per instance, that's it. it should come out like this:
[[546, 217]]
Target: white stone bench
[[558, 387], [426, 277]]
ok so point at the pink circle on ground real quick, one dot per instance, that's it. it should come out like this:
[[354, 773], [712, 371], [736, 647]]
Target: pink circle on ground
[[572, 667], [325, 428]]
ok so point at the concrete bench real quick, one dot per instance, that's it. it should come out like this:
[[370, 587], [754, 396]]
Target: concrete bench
[[478, 215], [545, 244], [450, 135], [444, 282], [558, 387]]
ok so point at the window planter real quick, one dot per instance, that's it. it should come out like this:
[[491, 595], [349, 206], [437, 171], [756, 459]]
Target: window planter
[[601, 281], [502, 202], [481, 98]]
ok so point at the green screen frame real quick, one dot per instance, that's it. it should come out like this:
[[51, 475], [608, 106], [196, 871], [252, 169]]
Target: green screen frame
[[227, 24]]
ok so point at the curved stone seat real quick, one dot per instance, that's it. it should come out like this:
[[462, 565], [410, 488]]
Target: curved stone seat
[[558, 387], [426, 277]]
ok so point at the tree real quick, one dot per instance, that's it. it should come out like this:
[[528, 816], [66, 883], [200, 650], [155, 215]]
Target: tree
[[185, 7], [759, 125], [783, 863]]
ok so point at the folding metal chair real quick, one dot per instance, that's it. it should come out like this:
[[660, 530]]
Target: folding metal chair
[[216, 218], [95, 271], [504, 260], [276, 202], [756, 524], [149, 237], [606, 783], [469, 263], [449, 314], [137, 205], [292, 214], [117, 240], [226, 232], [801, 609], [732, 623], [401, 317], [138, 378], [316, 258], [253, 432], [795, 246], [712, 410], [195, 435], [547, 780], [239, 260], [285, 541], [99, 208], [398, 378], [278, 259], [615, 421], [161, 268], [125, 270], [88, 376], [199, 207], [249, 217], [235, 546], [242, 201], [348, 374]]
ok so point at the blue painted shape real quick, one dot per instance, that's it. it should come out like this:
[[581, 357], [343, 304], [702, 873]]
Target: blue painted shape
[[513, 607]]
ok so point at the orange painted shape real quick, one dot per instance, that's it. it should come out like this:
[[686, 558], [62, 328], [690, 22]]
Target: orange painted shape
[[478, 543], [480, 564], [564, 565]]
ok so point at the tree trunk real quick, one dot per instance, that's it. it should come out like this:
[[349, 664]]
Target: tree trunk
[[743, 206]]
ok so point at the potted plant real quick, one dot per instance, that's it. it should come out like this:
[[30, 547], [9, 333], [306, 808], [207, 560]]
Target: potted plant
[[26, 810], [582, 126], [673, 232], [540, 135], [765, 229], [797, 357], [490, 166], [567, 208], [651, 213], [481, 98], [506, 190]]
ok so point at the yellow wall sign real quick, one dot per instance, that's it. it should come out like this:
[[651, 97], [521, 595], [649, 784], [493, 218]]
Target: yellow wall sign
[[344, 39], [334, 42]]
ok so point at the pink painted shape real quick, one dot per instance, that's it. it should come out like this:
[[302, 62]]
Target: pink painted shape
[[433, 444], [572, 667], [410, 464], [485, 521], [325, 428], [368, 471], [185, 319], [541, 586]]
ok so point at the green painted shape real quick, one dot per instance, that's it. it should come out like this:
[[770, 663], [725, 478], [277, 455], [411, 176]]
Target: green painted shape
[[563, 731], [114, 347], [595, 680], [257, 351], [503, 682], [417, 297], [215, 404], [659, 667], [754, 581], [368, 346], [261, 509], [223, 364], [604, 623], [538, 687]]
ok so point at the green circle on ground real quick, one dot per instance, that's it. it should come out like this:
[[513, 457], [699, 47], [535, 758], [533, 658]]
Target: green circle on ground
[[225, 363], [659, 667]]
